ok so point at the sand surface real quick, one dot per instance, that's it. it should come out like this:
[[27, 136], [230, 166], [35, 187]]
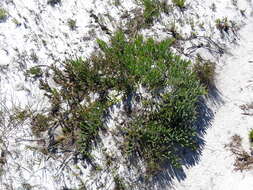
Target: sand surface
[[44, 30]]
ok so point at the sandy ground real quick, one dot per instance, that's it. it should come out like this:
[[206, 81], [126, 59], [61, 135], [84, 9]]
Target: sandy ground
[[213, 169]]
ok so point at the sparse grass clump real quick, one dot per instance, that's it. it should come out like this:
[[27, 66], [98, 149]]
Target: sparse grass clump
[[3, 15], [34, 72], [158, 130], [179, 3], [20, 115], [222, 24], [119, 184], [251, 136], [205, 71], [72, 24], [151, 10], [243, 160], [34, 57], [39, 123]]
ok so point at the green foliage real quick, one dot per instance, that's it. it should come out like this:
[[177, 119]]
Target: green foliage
[[3, 15], [158, 135], [72, 24], [81, 122], [34, 72], [151, 10], [130, 63], [117, 3], [205, 71], [179, 3], [157, 132], [251, 135], [27, 186]]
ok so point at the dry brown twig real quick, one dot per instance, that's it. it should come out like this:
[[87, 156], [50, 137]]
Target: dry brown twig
[[244, 160]]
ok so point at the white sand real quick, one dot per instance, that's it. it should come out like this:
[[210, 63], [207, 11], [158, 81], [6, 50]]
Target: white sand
[[234, 82]]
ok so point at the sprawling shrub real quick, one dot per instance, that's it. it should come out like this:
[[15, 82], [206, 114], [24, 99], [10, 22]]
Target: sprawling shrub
[[164, 124]]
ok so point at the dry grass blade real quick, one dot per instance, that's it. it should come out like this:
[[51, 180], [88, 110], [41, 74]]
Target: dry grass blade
[[244, 160]]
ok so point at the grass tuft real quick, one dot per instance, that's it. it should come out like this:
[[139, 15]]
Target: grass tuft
[[179, 3], [205, 71], [34, 72], [3, 15], [72, 24]]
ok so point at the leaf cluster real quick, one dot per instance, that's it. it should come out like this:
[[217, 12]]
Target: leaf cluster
[[127, 64], [34, 72]]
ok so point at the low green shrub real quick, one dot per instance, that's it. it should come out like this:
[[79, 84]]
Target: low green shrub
[[34, 72], [160, 129], [20, 115], [167, 124]]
